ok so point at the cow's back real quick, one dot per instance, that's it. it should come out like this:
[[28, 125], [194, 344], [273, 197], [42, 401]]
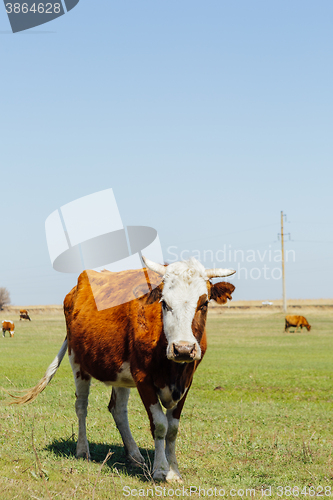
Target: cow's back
[[293, 320], [103, 339]]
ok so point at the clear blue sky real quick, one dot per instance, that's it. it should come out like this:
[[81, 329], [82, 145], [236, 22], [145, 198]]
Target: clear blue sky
[[206, 117]]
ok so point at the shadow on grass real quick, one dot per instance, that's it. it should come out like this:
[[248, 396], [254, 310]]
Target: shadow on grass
[[98, 451]]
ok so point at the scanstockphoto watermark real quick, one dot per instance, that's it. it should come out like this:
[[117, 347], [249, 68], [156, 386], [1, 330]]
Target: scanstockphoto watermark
[[183, 491], [292, 491], [249, 264]]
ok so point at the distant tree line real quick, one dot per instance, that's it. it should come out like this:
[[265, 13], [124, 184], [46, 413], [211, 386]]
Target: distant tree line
[[4, 297]]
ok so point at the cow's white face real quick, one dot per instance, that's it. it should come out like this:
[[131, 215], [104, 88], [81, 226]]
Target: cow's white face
[[184, 292], [184, 295]]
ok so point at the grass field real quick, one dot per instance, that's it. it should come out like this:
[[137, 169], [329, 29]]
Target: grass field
[[258, 417]]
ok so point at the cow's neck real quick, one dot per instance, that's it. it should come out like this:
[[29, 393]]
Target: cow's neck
[[173, 381]]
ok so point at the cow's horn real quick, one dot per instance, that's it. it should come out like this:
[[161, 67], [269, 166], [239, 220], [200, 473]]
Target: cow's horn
[[157, 268], [219, 273]]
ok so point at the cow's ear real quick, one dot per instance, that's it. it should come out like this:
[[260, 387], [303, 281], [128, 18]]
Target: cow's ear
[[140, 292], [221, 292], [155, 295]]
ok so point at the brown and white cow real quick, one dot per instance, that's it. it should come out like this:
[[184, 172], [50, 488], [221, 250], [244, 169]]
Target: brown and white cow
[[153, 343], [297, 321], [8, 326], [24, 314]]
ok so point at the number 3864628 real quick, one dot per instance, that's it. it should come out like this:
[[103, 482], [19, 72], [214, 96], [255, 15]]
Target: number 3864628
[[36, 8]]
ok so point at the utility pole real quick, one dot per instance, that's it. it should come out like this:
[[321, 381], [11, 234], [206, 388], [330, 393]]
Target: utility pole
[[283, 271], [282, 234]]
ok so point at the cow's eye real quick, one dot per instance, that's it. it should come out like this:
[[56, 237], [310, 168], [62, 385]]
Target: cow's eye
[[165, 306], [204, 306]]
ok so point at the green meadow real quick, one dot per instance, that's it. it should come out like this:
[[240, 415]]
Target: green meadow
[[257, 422]]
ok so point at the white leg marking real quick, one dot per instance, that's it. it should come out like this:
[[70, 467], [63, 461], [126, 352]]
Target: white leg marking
[[81, 405], [170, 447], [118, 408], [161, 465]]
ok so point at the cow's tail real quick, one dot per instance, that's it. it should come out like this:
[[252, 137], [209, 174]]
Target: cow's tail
[[32, 394]]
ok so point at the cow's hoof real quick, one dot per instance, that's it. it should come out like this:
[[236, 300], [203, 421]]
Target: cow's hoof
[[86, 456], [169, 476], [83, 453], [160, 475], [136, 459], [173, 477]]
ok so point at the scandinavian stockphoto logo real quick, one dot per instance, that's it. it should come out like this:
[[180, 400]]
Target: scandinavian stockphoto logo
[[26, 14], [88, 234]]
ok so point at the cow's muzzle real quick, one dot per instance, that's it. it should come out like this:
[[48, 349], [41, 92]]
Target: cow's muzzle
[[183, 352]]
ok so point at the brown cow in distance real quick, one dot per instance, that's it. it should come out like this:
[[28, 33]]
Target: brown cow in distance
[[154, 342], [297, 321], [8, 326], [24, 314]]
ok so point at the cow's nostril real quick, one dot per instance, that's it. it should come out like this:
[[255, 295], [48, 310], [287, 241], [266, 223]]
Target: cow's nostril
[[183, 349]]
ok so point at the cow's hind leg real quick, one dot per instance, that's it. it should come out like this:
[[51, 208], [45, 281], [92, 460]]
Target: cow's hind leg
[[82, 385], [118, 408]]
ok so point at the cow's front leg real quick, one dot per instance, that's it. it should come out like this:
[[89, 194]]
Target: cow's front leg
[[159, 431], [173, 417], [170, 446], [159, 428]]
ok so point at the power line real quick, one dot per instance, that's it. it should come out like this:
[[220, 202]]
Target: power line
[[311, 241], [227, 234]]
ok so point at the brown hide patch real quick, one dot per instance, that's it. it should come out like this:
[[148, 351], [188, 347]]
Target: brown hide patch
[[113, 289], [144, 318], [178, 410], [202, 302], [199, 320], [221, 292], [140, 290], [177, 377], [104, 340]]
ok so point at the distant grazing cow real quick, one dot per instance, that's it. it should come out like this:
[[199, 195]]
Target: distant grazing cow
[[297, 321], [24, 314], [154, 343], [8, 326]]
